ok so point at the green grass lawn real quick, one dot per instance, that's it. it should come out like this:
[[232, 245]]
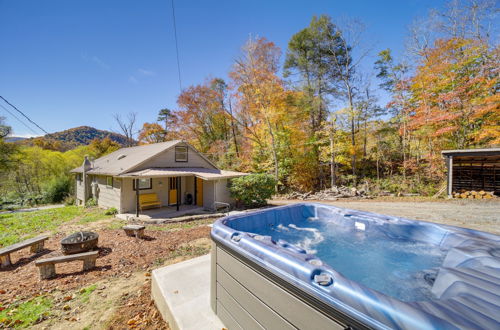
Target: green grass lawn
[[25, 314], [15, 227]]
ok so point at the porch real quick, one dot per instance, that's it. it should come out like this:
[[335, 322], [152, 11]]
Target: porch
[[178, 191]]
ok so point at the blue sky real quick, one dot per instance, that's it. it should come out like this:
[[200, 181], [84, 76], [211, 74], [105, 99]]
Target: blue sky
[[73, 63]]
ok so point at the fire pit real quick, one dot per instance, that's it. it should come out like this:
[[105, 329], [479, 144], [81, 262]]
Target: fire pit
[[79, 242]]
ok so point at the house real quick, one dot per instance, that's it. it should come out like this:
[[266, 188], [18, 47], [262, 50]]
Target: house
[[172, 173]]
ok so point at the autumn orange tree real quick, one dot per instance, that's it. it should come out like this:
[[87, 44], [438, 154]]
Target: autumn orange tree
[[455, 94], [152, 133], [270, 118]]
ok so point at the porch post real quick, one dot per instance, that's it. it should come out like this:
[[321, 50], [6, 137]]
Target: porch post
[[178, 186], [136, 181]]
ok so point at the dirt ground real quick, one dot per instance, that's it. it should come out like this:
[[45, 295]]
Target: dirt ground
[[117, 293], [118, 288], [481, 215]]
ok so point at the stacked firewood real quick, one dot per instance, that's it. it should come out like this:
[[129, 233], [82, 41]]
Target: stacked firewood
[[472, 194], [330, 194]]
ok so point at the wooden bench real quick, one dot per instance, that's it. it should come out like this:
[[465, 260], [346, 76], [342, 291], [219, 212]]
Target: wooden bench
[[149, 200], [48, 266], [134, 230], [36, 244]]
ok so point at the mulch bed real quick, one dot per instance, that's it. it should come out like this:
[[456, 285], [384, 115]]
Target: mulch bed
[[119, 255], [145, 314]]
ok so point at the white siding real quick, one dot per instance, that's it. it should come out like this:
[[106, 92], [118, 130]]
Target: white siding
[[79, 190], [222, 192], [108, 196], [208, 194], [167, 159]]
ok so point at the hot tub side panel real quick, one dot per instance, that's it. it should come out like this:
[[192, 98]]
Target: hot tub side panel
[[244, 298]]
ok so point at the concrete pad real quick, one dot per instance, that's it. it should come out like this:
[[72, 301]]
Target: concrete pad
[[182, 294]]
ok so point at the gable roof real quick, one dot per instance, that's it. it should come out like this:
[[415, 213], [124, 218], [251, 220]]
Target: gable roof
[[126, 159]]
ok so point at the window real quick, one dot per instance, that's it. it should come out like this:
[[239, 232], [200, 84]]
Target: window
[[109, 181], [181, 154], [144, 184], [79, 178]]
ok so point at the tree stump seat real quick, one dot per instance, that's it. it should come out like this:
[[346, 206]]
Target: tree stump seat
[[36, 245], [47, 266], [134, 230]]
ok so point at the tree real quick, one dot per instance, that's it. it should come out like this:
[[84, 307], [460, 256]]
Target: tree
[[261, 93], [344, 65], [307, 56], [165, 116], [151, 133], [201, 118], [101, 147], [127, 127], [455, 92], [394, 79], [7, 150]]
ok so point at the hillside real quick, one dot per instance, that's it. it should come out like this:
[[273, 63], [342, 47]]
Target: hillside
[[84, 134], [74, 137]]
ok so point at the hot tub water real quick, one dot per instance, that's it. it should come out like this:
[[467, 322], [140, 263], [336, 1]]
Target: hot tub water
[[393, 266]]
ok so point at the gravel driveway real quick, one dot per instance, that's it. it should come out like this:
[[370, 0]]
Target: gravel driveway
[[480, 215]]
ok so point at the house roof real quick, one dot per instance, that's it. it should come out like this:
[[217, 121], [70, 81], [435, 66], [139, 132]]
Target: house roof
[[203, 173], [126, 159]]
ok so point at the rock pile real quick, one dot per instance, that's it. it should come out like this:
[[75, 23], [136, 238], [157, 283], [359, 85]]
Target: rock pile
[[472, 194], [330, 194]]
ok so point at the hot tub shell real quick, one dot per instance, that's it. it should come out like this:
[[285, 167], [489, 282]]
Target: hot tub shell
[[257, 283]]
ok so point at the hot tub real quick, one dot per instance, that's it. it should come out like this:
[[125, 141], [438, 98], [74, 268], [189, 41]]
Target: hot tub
[[313, 266]]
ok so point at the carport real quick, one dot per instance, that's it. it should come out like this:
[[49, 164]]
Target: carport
[[473, 169]]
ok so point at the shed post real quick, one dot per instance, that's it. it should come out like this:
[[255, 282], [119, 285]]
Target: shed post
[[449, 167], [136, 182]]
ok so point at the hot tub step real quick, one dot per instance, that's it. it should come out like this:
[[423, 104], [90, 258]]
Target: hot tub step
[[450, 282], [479, 305]]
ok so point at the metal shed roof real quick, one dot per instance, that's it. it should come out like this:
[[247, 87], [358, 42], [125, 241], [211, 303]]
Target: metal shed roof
[[472, 152]]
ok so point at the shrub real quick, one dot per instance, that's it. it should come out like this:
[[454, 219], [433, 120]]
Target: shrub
[[57, 189], [253, 189], [91, 202], [111, 211], [70, 200]]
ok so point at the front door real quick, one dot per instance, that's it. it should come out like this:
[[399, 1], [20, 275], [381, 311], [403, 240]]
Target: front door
[[172, 191], [199, 192]]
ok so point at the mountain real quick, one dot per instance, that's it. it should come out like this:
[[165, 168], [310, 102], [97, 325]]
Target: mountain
[[73, 137], [14, 138], [84, 135]]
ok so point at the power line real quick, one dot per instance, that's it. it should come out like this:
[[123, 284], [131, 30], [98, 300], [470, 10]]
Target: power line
[[176, 47], [19, 120], [31, 121]]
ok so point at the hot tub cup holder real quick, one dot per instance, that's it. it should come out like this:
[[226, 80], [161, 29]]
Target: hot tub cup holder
[[315, 262], [323, 279], [236, 237]]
